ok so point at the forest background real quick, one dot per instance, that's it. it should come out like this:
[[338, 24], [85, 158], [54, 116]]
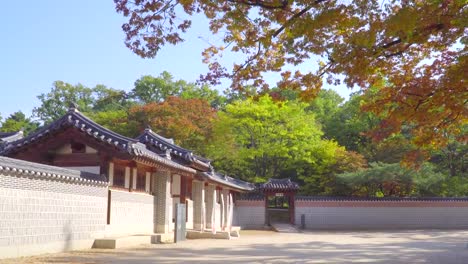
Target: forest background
[[325, 144]]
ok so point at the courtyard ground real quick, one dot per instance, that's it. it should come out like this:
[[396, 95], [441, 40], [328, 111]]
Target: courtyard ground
[[426, 246]]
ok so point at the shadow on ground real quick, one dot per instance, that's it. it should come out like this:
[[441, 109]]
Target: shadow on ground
[[312, 247]]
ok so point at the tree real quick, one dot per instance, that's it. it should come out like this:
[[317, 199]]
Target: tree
[[187, 121], [348, 125], [412, 53], [55, 103], [382, 179], [108, 99], [321, 180], [150, 89], [261, 139], [18, 121], [326, 105]]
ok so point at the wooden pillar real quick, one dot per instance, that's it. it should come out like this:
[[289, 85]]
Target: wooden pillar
[[104, 161], [133, 176], [183, 189]]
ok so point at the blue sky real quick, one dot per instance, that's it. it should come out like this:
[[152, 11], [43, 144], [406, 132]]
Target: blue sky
[[80, 42]]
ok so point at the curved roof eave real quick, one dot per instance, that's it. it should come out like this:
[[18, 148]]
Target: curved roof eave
[[156, 140], [73, 118], [227, 181]]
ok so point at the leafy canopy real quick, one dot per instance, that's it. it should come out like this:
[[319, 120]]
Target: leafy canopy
[[261, 139], [413, 53], [188, 121]]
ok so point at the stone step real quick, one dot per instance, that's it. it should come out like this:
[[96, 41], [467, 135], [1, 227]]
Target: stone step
[[284, 228], [234, 232], [132, 241], [195, 234]]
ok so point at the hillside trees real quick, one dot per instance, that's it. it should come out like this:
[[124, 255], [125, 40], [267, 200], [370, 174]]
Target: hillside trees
[[383, 179], [263, 139]]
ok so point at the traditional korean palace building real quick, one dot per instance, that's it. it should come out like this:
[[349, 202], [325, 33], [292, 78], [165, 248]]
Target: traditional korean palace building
[[74, 184], [146, 176]]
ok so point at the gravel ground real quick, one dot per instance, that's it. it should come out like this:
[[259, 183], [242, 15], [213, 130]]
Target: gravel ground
[[425, 246]]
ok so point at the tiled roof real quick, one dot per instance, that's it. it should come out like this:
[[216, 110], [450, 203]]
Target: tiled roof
[[279, 185], [252, 196], [151, 138], [227, 181], [88, 127], [10, 136], [35, 170], [136, 148]]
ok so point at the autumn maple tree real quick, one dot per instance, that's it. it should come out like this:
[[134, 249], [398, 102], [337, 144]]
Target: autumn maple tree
[[411, 55], [187, 121]]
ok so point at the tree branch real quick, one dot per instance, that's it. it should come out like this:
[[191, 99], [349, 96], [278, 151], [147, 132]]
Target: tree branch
[[262, 4], [292, 19]]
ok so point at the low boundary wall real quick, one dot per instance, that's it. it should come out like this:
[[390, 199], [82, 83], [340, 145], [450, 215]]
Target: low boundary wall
[[249, 213], [46, 209], [357, 214], [131, 213]]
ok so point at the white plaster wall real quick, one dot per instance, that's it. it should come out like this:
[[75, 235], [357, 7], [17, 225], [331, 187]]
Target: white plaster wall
[[249, 217], [175, 184], [382, 217], [131, 213], [44, 216], [189, 224]]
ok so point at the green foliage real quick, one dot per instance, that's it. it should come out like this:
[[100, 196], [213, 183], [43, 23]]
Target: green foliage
[[326, 105], [323, 144], [150, 89], [55, 103], [115, 120], [395, 180], [18, 121], [322, 181], [261, 139], [413, 53], [156, 89], [108, 99], [348, 125]]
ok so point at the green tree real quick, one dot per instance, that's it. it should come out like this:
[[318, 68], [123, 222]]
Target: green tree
[[382, 179], [149, 89], [325, 106], [55, 103], [321, 180], [261, 139], [109, 99], [18, 121], [348, 125]]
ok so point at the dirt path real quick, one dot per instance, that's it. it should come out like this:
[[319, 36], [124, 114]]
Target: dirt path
[[268, 247]]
